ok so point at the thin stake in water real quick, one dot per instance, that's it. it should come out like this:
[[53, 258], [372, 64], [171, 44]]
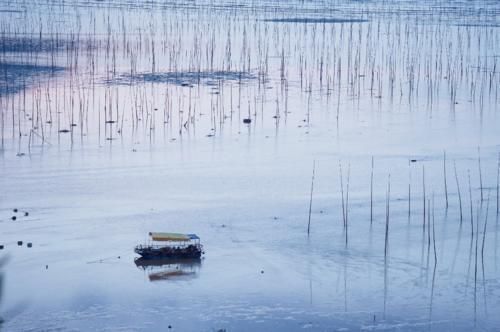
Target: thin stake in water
[[480, 172], [387, 212], [459, 194], [311, 198], [371, 196], [445, 183]]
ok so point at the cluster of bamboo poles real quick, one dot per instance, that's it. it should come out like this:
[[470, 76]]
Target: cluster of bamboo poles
[[428, 204], [402, 60]]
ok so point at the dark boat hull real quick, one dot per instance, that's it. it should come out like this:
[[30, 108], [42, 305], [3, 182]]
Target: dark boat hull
[[149, 252]]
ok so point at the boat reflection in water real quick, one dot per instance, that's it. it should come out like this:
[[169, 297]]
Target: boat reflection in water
[[169, 268]]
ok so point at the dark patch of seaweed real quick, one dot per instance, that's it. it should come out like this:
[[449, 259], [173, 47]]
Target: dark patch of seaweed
[[186, 79], [479, 25], [15, 77], [316, 20], [35, 44]]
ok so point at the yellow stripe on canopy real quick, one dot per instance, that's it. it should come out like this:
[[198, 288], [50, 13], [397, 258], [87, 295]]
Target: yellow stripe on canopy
[[155, 236]]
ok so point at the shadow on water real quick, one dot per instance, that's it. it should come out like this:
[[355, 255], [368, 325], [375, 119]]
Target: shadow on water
[[11, 312], [187, 78], [169, 269]]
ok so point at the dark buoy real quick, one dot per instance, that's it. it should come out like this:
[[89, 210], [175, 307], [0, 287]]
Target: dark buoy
[[29, 244], [247, 120], [1, 246], [262, 271], [46, 267], [26, 214], [15, 210], [170, 326], [19, 243], [13, 218]]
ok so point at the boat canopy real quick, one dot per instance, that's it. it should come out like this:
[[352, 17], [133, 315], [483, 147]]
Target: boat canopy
[[175, 237]]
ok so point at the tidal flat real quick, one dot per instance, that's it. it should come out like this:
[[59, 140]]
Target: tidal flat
[[340, 161]]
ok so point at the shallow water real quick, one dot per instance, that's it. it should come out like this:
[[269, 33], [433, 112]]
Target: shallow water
[[140, 128]]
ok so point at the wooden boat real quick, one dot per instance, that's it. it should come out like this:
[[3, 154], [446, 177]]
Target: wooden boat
[[170, 245]]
